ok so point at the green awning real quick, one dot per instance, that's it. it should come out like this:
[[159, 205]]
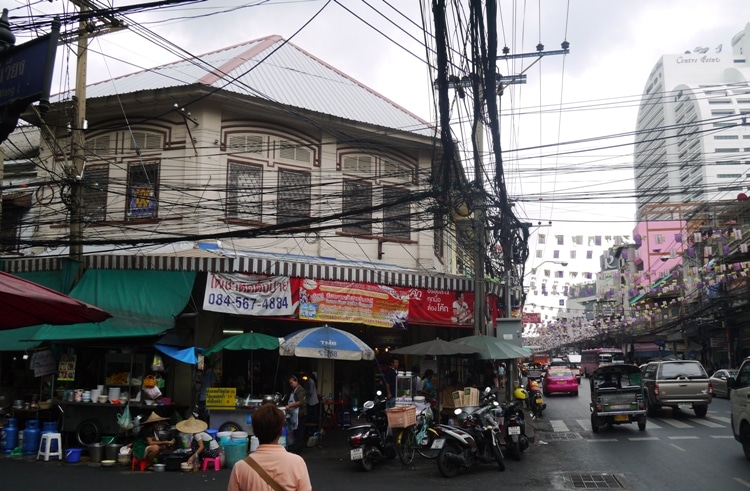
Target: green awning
[[18, 339], [142, 303]]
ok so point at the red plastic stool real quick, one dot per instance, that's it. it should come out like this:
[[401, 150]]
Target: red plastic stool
[[140, 463], [215, 460]]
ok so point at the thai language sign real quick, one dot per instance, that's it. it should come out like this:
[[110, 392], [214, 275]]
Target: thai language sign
[[441, 307], [243, 294], [221, 397], [362, 303]]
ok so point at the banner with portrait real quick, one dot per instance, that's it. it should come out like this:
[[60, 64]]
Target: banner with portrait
[[441, 307]]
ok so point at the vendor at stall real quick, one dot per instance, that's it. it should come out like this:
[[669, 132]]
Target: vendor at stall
[[202, 444], [147, 444]]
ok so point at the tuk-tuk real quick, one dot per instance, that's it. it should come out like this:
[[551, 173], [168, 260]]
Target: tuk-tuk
[[617, 396]]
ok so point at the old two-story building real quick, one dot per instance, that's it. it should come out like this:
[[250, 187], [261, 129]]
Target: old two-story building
[[255, 166]]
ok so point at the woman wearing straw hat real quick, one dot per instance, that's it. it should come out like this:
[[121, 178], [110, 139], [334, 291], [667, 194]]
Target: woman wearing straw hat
[[202, 444], [147, 445]]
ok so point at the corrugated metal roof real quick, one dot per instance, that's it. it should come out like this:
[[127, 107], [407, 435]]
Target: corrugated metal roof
[[272, 69]]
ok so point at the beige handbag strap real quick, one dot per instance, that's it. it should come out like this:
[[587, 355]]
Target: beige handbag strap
[[262, 473]]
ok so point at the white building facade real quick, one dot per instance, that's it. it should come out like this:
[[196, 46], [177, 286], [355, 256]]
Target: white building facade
[[693, 138]]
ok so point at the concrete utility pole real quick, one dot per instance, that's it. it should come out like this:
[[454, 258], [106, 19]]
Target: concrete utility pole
[[87, 29]]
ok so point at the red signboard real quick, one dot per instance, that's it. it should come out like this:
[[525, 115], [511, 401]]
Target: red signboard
[[441, 307], [532, 318]]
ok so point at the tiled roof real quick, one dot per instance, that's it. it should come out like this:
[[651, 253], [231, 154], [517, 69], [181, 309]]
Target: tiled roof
[[272, 69]]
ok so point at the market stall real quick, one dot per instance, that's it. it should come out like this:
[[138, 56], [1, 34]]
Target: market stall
[[227, 413]]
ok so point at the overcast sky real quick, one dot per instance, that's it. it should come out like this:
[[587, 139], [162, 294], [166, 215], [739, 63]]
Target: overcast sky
[[589, 95]]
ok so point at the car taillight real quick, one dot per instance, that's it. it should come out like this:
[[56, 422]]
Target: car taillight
[[656, 390], [711, 389]]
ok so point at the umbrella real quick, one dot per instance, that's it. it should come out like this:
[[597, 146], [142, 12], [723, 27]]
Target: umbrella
[[436, 347], [25, 303], [250, 341], [326, 342], [491, 348], [247, 341]]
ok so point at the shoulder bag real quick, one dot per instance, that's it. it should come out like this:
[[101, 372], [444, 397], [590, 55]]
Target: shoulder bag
[[262, 473]]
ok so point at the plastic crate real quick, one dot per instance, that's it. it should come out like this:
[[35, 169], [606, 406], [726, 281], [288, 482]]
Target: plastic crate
[[401, 416]]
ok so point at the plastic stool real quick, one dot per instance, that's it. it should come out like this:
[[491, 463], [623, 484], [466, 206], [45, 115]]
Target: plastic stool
[[45, 446], [215, 460], [140, 463]]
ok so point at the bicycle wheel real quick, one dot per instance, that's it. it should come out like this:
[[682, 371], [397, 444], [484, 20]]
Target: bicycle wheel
[[425, 446], [406, 443]]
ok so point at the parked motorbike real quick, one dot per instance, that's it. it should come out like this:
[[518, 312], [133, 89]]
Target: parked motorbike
[[535, 399], [475, 440], [514, 428], [372, 441]]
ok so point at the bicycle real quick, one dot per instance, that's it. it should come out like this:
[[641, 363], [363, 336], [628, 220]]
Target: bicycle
[[418, 437]]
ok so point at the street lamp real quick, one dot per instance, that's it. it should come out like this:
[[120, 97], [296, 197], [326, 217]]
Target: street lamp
[[561, 263]]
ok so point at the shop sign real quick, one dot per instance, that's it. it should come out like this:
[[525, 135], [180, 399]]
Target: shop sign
[[43, 363], [441, 307], [66, 370], [221, 397], [361, 303], [243, 294]]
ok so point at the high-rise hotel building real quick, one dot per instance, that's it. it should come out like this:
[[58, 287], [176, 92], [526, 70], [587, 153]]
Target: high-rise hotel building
[[693, 129]]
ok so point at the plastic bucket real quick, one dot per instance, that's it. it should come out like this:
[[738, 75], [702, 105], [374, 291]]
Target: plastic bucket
[[73, 455], [111, 451], [239, 435], [235, 451]]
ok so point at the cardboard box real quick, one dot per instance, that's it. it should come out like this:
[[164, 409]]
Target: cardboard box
[[471, 396], [458, 398], [446, 396]]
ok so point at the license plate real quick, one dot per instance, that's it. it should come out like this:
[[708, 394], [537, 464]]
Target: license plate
[[514, 430], [619, 406], [357, 453], [438, 444], [621, 417], [684, 405]]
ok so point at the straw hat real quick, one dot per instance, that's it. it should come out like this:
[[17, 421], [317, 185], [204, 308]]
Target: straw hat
[[153, 418], [191, 425]]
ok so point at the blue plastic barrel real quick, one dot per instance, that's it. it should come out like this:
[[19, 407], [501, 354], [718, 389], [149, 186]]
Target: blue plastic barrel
[[32, 435], [9, 436]]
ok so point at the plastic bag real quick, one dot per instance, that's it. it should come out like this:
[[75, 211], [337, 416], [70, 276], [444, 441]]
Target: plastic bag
[[157, 365], [149, 381], [153, 392], [124, 420]]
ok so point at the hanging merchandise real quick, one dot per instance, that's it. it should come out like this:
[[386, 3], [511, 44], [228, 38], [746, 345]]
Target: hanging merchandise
[[153, 392], [149, 381], [157, 365]]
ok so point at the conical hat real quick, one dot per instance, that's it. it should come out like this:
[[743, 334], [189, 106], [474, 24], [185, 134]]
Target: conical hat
[[154, 418], [191, 425]]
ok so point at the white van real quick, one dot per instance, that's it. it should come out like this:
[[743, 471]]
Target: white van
[[574, 363], [739, 397]]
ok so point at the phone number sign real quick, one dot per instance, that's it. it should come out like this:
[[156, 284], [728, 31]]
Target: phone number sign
[[242, 294], [221, 397]]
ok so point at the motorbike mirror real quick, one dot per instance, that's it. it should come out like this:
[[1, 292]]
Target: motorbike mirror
[[369, 405], [379, 393], [457, 411], [487, 390]]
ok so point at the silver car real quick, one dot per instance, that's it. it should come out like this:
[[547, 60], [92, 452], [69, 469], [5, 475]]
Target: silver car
[[719, 382]]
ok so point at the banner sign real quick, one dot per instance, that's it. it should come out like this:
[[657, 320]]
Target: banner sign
[[362, 303], [243, 294], [532, 318], [441, 307], [66, 369], [221, 397], [43, 362]]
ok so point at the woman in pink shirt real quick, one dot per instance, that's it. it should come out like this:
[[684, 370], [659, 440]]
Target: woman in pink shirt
[[287, 469]]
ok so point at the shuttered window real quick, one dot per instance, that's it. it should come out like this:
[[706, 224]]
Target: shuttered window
[[357, 197], [95, 187], [396, 213], [293, 196]]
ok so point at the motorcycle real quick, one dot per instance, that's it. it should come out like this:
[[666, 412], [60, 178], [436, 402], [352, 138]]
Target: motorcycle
[[514, 427], [372, 441], [535, 400], [475, 441]]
